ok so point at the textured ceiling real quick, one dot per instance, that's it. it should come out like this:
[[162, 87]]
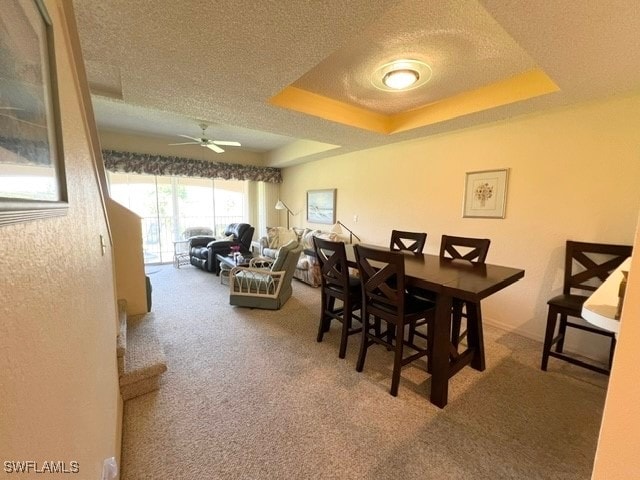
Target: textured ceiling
[[464, 46], [160, 67]]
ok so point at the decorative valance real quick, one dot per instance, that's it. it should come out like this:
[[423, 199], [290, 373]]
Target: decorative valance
[[152, 164]]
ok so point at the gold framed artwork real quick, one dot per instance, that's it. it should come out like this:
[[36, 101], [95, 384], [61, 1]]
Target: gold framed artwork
[[485, 194]]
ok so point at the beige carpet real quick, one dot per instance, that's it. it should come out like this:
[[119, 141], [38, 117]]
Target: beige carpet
[[250, 394]]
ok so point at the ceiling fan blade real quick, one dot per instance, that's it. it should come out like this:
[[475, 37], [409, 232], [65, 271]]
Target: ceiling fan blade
[[191, 138], [230, 144], [213, 147], [185, 143]]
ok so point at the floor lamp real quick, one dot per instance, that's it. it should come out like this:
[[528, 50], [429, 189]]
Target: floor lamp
[[281, 206]]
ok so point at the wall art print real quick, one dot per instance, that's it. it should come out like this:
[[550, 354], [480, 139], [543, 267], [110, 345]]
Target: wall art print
[[321, 206], [32, 180], [485, 194]]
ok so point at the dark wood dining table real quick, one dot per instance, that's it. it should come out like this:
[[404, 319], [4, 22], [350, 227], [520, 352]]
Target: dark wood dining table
[[449, 279]]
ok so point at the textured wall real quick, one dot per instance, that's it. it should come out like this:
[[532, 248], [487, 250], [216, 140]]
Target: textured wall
[[574, 174], [617, 454], [58, 373]]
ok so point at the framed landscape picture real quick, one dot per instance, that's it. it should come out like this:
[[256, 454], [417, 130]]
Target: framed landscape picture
[[321, 206], [485, 194], [32, 181]]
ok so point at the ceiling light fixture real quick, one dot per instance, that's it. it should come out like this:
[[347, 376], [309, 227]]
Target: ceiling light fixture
[[400, 79], [401, 75]]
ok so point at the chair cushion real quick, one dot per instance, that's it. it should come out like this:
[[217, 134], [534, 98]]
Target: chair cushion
[[282, 255], [269, 252], [571, 302]]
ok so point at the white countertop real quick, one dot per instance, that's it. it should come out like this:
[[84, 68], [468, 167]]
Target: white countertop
[[600, 309]]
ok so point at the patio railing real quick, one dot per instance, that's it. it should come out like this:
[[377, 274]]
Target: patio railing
[[159, 233]]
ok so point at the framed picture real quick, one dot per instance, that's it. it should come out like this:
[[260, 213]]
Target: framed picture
[[321, 206], [32, 180], [485, 194]]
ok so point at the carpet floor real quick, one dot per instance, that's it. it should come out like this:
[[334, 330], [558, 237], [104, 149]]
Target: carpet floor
[[250, 394]]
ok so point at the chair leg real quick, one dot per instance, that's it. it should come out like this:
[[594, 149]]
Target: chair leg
[[397, 361], [562, 331], [364, 342], [378, 327], [323, 317], [331, 306], [346, 326], [391, 334], [552, 318], [412, 332]]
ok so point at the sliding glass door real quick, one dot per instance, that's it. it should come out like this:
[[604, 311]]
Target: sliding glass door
[[170, 205]]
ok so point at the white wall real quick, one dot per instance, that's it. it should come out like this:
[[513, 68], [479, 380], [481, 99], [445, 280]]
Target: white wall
[[573, 175], [60, 399]]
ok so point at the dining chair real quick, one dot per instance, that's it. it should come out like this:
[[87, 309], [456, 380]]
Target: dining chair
[[400, 241], [586, 266], [384, 297], [474, 251], [337, 284]]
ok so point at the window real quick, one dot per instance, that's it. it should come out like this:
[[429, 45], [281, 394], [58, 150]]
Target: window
[[169, 205]]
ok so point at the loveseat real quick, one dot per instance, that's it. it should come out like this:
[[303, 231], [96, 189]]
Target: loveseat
[[203, 249], [307, 269]]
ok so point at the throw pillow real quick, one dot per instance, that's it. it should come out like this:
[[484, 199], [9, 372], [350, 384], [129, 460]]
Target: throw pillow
[[272, 237], [307, 239], [285, 236], [333, 237]]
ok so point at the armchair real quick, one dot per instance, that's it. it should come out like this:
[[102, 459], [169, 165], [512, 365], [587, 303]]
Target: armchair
[[203, 249], [268, 288]]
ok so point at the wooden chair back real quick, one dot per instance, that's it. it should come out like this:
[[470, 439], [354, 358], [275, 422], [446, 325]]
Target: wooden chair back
[[332, 258], [400, 241], [383, 282], [587, 265], [475, 249]]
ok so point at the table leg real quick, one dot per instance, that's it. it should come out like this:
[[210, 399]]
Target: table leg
[[440, 351]]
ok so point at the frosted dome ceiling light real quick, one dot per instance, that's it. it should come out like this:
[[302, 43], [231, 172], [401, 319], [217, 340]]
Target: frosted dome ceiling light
[[400, 79], [401, 75]]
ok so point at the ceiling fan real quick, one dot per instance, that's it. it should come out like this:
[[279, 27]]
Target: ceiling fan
[[206, 142]]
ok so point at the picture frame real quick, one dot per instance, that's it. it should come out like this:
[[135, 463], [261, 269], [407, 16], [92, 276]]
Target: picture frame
[[321, 206], [485, 194], [32, 176]]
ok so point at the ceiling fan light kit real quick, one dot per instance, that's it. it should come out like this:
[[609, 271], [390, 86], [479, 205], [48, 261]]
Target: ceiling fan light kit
[[206, 142]]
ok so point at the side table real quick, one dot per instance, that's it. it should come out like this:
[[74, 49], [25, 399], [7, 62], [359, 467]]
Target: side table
[[227, 262], [181, 253]]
